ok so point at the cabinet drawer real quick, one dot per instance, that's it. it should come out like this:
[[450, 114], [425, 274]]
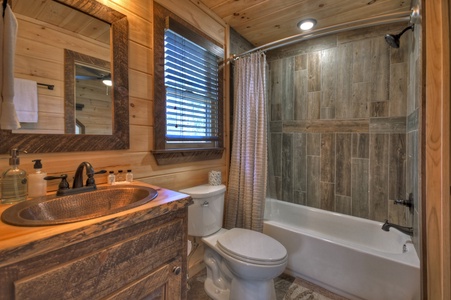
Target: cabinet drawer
[[105, 271]]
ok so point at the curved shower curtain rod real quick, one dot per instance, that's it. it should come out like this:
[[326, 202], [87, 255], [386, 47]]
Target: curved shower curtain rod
[[379, 20]]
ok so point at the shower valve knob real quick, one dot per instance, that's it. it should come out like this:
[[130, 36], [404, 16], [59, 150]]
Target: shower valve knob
[[408, 202]]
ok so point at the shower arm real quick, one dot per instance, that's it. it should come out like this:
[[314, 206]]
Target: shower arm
[[405, 29]]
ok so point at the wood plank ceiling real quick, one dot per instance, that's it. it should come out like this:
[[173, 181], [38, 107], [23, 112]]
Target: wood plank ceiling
[[265, 21]]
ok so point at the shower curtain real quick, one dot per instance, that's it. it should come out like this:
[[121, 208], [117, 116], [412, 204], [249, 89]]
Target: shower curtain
[[247, 178]]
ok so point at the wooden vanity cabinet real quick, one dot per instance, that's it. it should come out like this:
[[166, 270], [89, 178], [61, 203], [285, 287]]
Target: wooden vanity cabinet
[[141, 259]]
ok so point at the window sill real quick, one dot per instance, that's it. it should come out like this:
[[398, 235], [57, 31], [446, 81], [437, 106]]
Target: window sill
[[178, 156]]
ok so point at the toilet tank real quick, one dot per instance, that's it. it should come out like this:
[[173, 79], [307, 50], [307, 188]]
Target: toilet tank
[[206, 213]]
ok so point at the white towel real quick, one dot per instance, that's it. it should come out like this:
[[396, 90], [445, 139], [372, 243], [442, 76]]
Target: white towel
[[26, 100], [8, 36]]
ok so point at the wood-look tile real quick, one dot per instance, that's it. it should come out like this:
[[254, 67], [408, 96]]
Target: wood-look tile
[[343, 204], [380, 70], [288, 88], [313, 181], [361, 61], [276, 89], [360, 187], [287, 167], [314, 144], [343, 164], [379, 150], [314, 71], [328, 157], [398, 89], [300, 161], [379, 109], [313, 105], [327, 196], [328, 83], [300, 95], [275, 153], [344, 81], [388, 125], [360, 99], [327, 126], [300, 62], [412, 121], [360, 145], [397, 167]]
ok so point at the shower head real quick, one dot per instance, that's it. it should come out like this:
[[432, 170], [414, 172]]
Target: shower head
[[393, 39]]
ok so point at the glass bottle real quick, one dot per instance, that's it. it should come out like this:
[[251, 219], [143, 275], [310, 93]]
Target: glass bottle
[[14, 181], [129, 176], [120, 176], [111, 178]]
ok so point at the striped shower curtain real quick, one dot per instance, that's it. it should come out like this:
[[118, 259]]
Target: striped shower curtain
[[245, 199]]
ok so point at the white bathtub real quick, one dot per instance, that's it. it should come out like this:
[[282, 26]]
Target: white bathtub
[[350, 256]]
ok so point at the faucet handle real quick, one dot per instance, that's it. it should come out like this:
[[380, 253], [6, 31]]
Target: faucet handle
[[90, 181], [63, 185]]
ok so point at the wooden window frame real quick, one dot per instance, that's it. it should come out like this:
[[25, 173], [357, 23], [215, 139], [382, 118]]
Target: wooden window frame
[[162, 154]]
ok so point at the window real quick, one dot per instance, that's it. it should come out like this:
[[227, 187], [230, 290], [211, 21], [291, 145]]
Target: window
[[191, 84], [188, 87]]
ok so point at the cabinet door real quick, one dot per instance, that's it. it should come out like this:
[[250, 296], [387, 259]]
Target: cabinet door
[[107, 270], [164, 283]]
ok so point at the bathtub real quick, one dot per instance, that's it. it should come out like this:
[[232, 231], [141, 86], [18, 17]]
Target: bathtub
[[350, 256]]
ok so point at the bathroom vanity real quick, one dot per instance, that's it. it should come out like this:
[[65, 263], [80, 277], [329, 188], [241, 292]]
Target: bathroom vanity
[[134, 254]]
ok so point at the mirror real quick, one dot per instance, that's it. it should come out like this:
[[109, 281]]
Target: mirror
[[119, 139], [88, 96]]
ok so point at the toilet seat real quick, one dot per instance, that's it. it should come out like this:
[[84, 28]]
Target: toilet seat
[[252, 247]]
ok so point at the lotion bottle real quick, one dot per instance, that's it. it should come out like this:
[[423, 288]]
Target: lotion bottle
[[37, 185], [14, 181], [129, 176]]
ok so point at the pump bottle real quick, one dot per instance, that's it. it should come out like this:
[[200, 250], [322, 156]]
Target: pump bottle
[[14, 181], [37, 185]]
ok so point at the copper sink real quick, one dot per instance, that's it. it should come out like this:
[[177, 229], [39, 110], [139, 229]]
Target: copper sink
[[52, 210]]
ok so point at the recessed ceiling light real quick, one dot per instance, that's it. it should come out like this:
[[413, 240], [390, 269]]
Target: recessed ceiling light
[[307, 24]]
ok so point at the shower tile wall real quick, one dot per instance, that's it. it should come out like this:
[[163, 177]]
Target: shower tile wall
[[338, 107]]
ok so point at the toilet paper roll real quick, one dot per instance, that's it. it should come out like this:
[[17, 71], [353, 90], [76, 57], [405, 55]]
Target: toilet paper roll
[[214, 178]]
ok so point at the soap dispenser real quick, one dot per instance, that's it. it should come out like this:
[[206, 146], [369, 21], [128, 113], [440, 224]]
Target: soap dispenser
[[14, 181], [37, 185]]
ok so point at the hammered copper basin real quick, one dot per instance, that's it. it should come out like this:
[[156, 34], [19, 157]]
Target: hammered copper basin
[[52, 210]]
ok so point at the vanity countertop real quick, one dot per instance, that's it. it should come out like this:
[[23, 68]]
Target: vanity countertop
[[17, 242]]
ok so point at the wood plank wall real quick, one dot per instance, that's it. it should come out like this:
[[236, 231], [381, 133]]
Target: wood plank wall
[[138, 157], [338, 123], [436, 262]]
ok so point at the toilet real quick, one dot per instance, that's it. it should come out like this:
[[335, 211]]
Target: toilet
[[241, 263]]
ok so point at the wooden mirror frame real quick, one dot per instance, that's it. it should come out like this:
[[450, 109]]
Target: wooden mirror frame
[[71, 58], [47, 143]]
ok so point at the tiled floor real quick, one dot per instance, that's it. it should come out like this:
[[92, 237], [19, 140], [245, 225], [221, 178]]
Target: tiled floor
[[287, 288]]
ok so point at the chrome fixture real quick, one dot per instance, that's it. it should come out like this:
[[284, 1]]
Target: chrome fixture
[[406, 230], [77, 185]]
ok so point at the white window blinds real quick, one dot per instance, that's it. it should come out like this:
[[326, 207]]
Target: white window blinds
[[191, 83]]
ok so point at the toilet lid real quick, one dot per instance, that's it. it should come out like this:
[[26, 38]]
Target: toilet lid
[[252, 246]]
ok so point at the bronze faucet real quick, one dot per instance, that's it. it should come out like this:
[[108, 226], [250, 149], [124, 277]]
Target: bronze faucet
[[77, 185], [78, 178], [403, 229]]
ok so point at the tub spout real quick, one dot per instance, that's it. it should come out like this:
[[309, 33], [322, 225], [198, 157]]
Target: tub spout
[[403, 229]]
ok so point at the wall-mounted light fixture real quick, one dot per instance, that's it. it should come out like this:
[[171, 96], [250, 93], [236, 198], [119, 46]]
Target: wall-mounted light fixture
[[307, 24]]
